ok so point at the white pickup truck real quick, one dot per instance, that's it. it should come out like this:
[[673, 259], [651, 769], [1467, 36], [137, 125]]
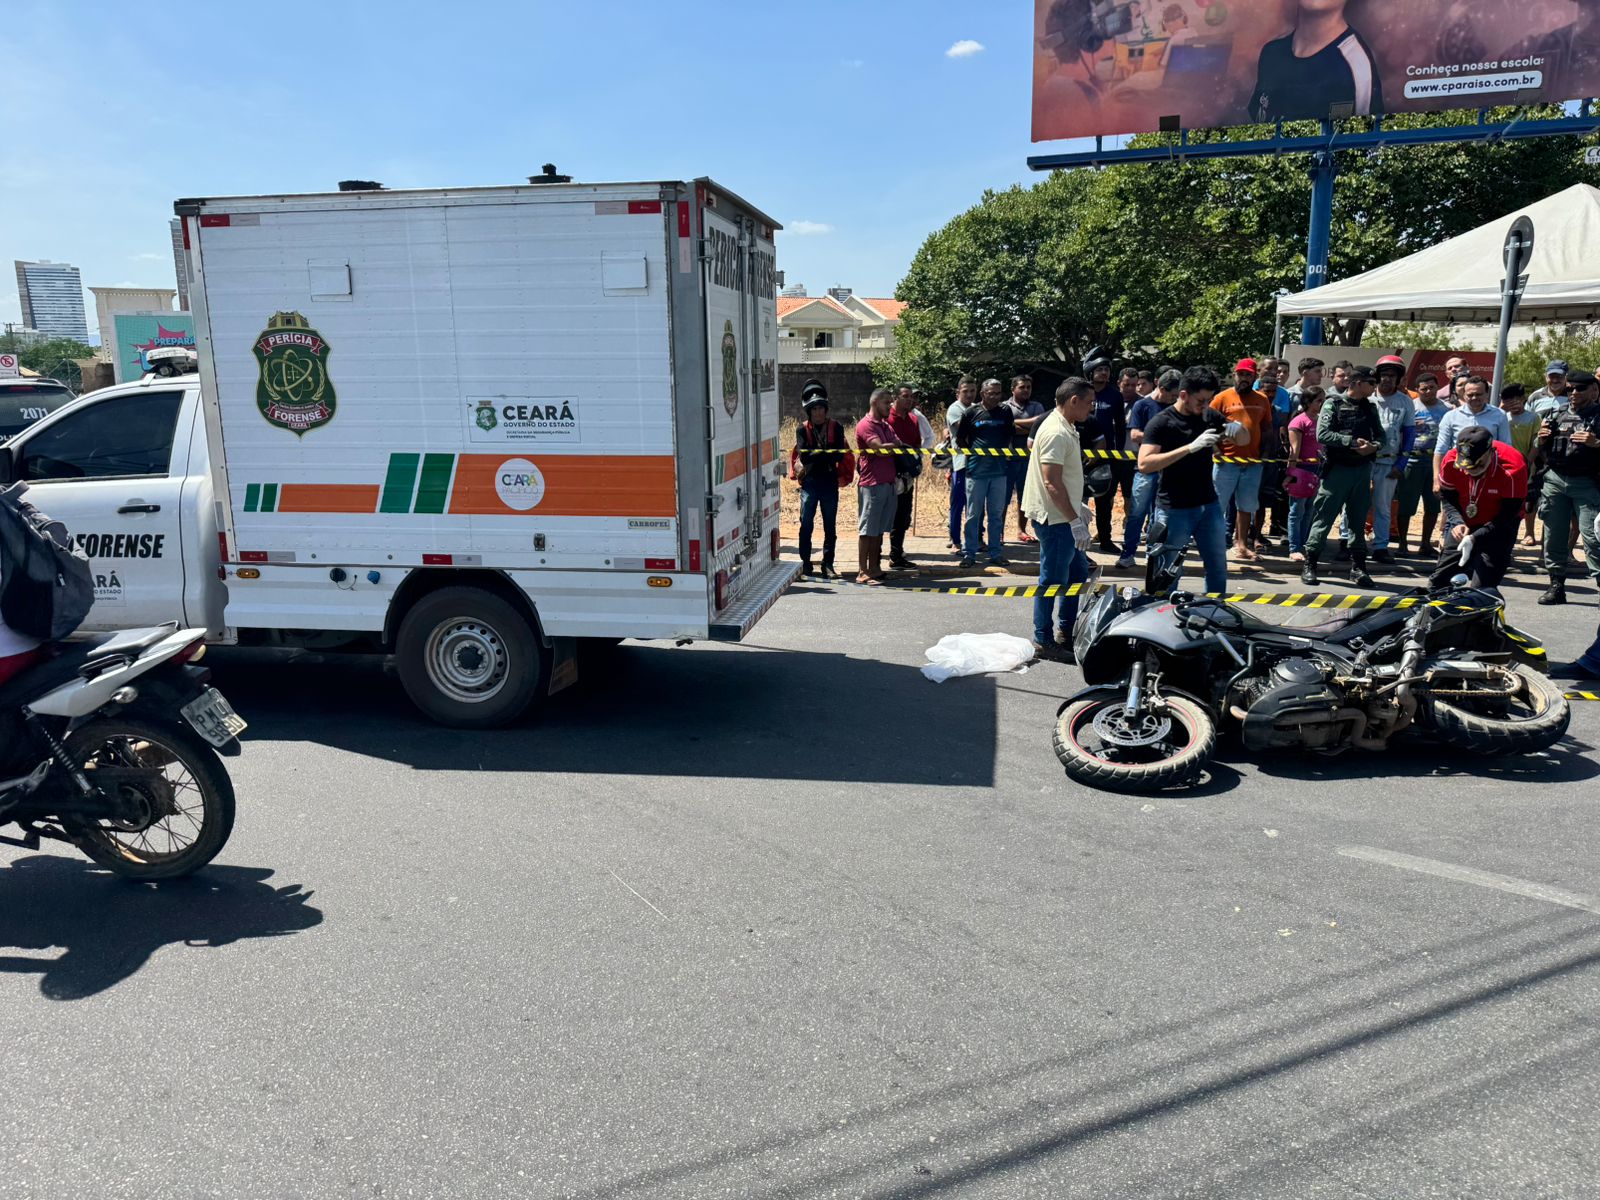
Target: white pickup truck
[[467, 427]]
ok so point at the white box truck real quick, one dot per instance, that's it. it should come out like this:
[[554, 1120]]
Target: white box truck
[[470, 427]]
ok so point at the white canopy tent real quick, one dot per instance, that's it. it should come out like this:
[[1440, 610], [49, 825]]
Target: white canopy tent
[[1458, 281]]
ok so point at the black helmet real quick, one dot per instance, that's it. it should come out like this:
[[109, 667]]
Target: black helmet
[[1098, 481], [813, 392]]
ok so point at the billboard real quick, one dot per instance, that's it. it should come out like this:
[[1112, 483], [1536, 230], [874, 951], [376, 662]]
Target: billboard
[[137, 334], [1137, 66]]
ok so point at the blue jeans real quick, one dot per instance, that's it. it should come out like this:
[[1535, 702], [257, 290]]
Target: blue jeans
[[1060, 561], [1589, 658], [958, 504], [823, 498], [1203, 526], [1299, 523], [1144, 499], [1237, 483], [1383, 489], [986, 495]]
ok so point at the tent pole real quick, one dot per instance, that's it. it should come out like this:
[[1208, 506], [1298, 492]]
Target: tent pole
[[1323, 171]]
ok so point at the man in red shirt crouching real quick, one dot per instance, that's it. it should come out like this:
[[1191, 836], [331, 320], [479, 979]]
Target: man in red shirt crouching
[[1483, 489]]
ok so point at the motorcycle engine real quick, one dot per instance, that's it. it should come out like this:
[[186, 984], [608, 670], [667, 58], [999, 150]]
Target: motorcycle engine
[[1293, 705]]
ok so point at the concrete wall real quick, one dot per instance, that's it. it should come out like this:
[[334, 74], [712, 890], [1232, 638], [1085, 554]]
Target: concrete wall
[[848, 384]]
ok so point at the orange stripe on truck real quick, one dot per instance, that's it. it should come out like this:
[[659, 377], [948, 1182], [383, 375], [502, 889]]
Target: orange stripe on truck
[[328, 498], [568, 485]]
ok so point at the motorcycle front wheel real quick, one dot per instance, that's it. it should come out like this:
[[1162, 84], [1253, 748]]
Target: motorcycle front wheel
[[185, 801], [1533, 716], [1168, 744]]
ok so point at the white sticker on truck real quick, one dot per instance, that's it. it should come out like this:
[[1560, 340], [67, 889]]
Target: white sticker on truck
[[498, 420]]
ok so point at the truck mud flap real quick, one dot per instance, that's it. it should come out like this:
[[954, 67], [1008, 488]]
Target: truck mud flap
[[734, 622]]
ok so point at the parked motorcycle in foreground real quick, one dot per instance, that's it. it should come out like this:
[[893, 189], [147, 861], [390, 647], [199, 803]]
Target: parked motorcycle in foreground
[[1164, 671], [113, 746]]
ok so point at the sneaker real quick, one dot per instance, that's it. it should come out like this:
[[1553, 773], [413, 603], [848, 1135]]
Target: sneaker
[[966, 564], [1126, 562], [998, 560], [1308, 574], [829, 573], [1556, 593], [902, 564], [1107, 546], [1383, 556]]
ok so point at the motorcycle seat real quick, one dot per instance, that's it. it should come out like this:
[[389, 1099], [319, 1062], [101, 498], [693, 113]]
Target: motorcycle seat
[[1309, 622], [68, 660]]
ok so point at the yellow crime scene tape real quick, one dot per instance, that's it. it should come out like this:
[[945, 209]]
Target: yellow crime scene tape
[[1329, 601], [1583, 695], [1018, 452]]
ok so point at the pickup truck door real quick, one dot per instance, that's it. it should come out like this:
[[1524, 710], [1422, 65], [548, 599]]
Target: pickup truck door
[[105, 469]]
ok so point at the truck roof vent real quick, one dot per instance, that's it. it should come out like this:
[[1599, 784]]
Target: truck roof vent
[[360, 185], [547, 174]]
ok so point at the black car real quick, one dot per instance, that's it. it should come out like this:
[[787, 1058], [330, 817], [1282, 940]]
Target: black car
[[24, 401]]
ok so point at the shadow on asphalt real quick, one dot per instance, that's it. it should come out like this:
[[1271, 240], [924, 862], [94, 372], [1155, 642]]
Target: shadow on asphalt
[[1569, 762], [644, 709], [108, 927], [1042, 1109]]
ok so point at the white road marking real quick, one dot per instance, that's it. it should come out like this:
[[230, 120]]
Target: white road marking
[[1488, 879], [653, 908]]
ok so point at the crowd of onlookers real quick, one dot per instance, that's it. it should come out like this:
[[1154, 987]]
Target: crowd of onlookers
[[1272, 461]]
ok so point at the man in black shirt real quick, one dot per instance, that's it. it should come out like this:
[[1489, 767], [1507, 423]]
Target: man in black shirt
[[1110, 422], [1321, 64], [1179, 443], [1569, 447]]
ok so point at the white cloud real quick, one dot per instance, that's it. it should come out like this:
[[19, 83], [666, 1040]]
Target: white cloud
[[807, 228], [147, 257], [965, 48]]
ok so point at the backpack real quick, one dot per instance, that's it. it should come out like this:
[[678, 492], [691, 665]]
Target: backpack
[[46, 588]]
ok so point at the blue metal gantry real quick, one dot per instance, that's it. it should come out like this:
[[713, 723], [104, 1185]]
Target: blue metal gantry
[[1323, 147]]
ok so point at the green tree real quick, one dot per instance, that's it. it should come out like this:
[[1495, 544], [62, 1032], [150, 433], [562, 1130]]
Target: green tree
[[1579, 348], [1415, 335], [54, 357], [1179, 261]]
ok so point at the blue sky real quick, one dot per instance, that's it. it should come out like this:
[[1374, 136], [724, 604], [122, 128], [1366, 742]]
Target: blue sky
[[847, 119]]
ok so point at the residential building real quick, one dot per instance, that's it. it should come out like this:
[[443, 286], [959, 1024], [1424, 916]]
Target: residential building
[[21, 335], [109, 301], [180, 263], [52, 299], [839, 327]]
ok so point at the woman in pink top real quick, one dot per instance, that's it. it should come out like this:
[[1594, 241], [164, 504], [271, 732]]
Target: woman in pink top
[[1304, 468]]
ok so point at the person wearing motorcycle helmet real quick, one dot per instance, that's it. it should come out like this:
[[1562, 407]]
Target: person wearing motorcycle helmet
[[821, 463], [1483, 490]]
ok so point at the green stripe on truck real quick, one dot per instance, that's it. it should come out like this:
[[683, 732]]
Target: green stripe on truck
[[433, 489], [252, 497], [269, 497], [400, 483]]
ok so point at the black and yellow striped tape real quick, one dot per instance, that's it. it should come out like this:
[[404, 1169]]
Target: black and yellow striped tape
[[1017, 452], [1593, 696]]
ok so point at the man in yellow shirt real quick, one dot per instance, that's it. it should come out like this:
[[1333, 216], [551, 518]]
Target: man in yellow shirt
[[1052, 498]]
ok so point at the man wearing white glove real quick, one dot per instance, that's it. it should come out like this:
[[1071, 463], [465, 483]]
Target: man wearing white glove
[[1179, 445], [1052, 499]]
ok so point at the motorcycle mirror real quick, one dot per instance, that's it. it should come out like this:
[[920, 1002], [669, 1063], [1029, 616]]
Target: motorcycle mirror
[[1459, 581]]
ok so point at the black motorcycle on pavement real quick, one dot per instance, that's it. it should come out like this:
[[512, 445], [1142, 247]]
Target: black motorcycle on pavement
[[1165, 669]]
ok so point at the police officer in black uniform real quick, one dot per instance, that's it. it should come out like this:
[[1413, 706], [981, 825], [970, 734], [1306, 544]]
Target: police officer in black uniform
[[1569, 453]]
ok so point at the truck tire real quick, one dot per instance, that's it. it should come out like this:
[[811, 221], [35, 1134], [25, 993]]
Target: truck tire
[[1538, 720], [469, 659], [1181, 760]]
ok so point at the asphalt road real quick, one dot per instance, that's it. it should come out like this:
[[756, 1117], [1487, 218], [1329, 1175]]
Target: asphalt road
[[787, 920]]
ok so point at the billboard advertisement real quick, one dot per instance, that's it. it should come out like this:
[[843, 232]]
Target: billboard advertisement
[[1138, 66], [139, 333]]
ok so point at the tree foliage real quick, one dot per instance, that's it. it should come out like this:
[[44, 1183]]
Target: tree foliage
[[1180, 261], [1579, 348], [54, 357]]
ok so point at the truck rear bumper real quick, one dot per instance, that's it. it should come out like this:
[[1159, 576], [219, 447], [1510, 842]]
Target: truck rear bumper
[[735, 621]]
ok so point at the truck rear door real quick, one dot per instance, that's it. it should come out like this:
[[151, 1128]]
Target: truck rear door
[[742, 352]]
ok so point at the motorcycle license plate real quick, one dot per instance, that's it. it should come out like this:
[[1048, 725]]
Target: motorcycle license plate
[[213, 718]]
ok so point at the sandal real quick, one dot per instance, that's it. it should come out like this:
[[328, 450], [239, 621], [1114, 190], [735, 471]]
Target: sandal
[[865, 580]]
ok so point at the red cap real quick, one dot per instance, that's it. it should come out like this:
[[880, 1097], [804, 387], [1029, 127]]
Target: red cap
[[1246, 364]]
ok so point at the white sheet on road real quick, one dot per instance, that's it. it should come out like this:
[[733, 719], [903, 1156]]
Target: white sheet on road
[[976, 654]]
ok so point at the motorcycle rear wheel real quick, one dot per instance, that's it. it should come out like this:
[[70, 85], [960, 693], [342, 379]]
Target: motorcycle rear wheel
[[173, 844], [1178, 757], [1534, 718]]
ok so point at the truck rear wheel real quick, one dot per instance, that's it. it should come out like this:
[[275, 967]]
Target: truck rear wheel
[[469, 659]]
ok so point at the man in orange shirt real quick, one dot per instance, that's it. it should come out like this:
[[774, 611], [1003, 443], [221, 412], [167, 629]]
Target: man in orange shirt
[[1249, 415]]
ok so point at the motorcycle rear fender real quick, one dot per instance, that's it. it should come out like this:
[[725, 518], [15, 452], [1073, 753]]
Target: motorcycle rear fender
[[80, 697]]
